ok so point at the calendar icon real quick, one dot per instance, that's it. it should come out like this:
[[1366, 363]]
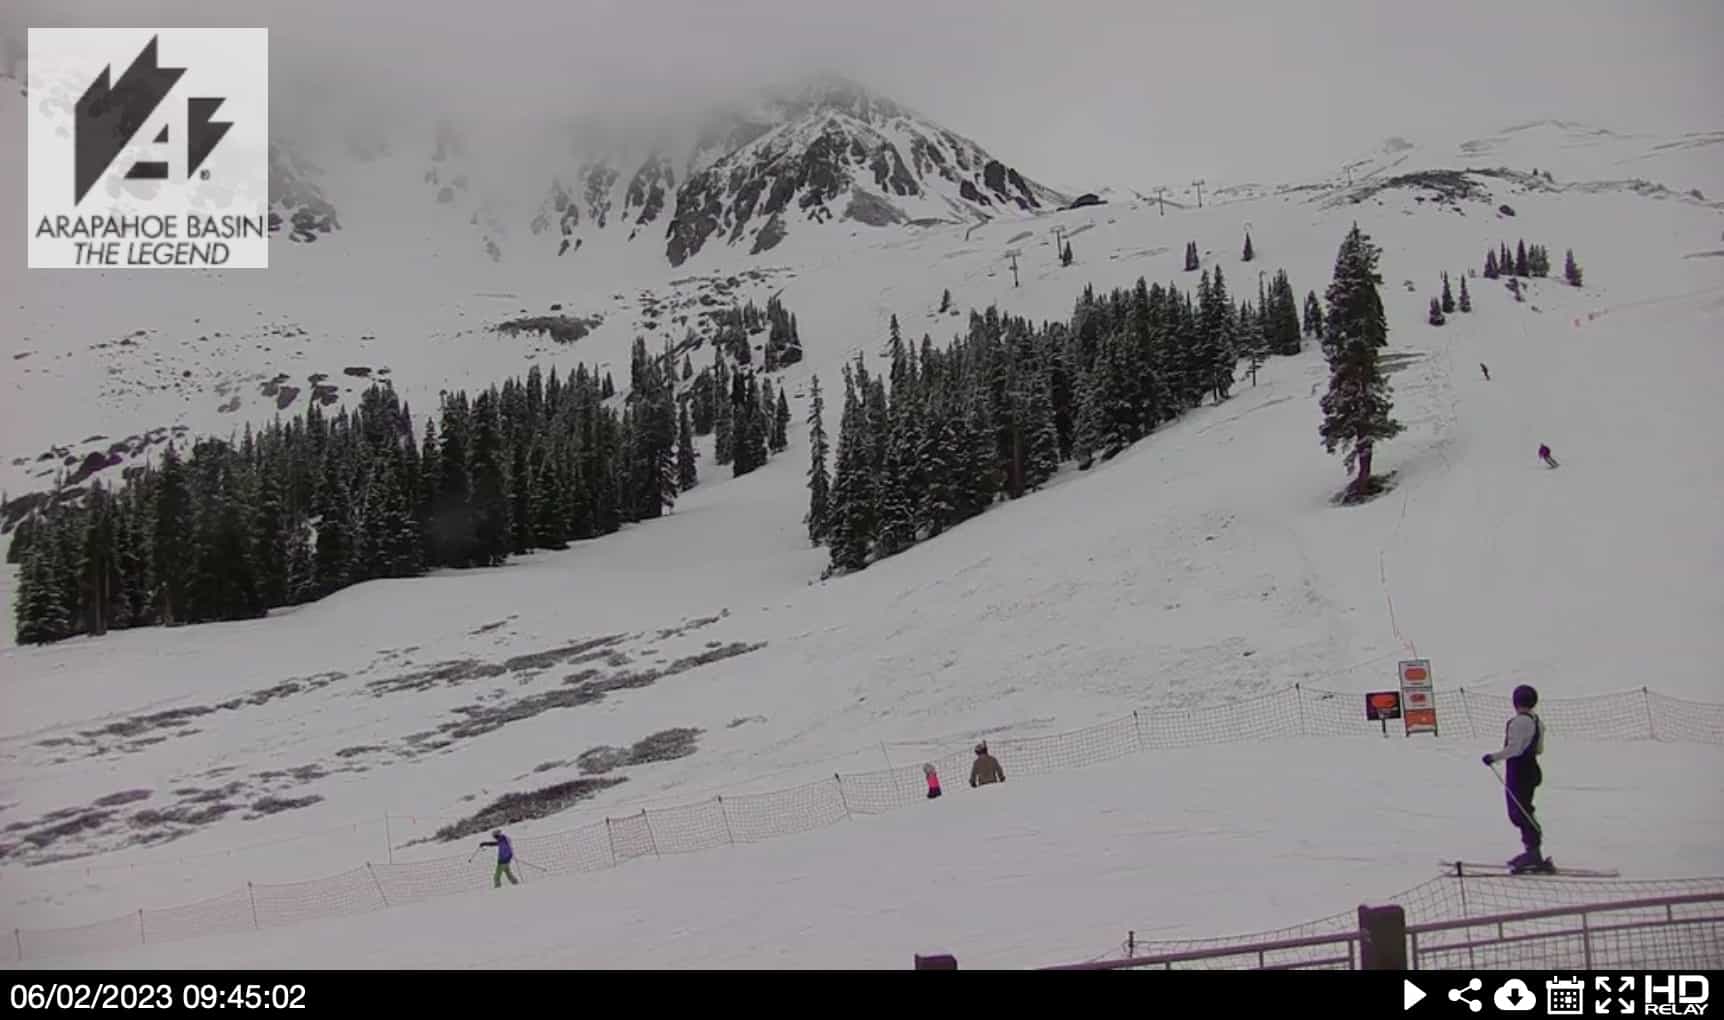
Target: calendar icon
[[1564, 998]]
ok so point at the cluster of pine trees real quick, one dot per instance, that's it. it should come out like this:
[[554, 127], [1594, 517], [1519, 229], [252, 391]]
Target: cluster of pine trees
[[945, 433], [1524, 260], [783, 340], [1444, 307], [740, 410], [314, 504]]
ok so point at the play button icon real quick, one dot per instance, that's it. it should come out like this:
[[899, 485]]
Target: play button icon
[[1411, 994]]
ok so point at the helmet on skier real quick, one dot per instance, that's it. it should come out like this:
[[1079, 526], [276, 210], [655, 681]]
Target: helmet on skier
[[982, 748], [1525, 696], [496, 833]]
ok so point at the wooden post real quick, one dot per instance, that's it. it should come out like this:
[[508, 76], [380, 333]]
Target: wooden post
[[141, 939], [18, 937], [252, 893], [388, 838], [836, 778], [1138, 726], [1130, 944], [1014, 269], [374, 881], [1646, 699], [650, 837], [1299, 693], [1382, 938]]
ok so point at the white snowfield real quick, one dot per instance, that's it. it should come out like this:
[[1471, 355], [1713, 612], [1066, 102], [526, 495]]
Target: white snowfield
[[1203, 566]]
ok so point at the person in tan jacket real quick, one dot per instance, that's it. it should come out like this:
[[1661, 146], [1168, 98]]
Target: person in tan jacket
[[987, 768]]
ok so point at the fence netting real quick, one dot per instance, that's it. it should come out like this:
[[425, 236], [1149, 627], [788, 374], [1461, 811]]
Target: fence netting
[[722, 821]]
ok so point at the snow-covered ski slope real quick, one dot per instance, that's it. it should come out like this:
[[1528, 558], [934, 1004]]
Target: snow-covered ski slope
[[1204, 565]]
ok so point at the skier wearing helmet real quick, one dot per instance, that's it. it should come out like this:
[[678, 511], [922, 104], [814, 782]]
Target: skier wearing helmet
[[1523, 742], [505, 854]]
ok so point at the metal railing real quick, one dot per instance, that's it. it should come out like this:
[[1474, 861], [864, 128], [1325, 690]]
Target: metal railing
[[1580, 936]]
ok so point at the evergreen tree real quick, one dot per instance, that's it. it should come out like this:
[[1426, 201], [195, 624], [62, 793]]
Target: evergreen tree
[[687, 369], [1448, 297], [1087, 433], [781, 424], [1248, 254], [1357, 407], [1042, 459], [100, 583], [819, 482], [1492, 270], [337, 542], [492, 527], [850, 510], [1066, 254], [1281, 322], [897, 507], [173, 537], [946, 301], [686, 478], [1313, 315], [1466, 302], [546, 471], [1538, 260], [1191, 259], [1520, 264], [41, 602], [1255, 342], [1436, 317], [1571, 270]]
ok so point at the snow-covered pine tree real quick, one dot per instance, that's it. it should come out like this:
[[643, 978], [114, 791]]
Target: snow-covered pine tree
[[1448, 296], [946, 301], [1491, 269], [1191, 259], [1466, 302], [850, 512], [1248, 254], [1571, 270], [1357, 407], [819, 481], [40, 606], [1520, 264], [1087, 432], [781, 423], [897, 500], [1436, 316]]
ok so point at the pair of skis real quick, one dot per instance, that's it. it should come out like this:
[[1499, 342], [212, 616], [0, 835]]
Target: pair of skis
[[1462, 869]]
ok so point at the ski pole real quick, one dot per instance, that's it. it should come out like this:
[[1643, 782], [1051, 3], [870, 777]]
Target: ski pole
[[1524, 813]]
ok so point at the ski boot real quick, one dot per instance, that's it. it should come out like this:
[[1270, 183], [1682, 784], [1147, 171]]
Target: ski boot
[[1528, 864]]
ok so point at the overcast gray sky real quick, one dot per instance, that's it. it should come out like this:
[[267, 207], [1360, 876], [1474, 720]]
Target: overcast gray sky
[[1078, 93]]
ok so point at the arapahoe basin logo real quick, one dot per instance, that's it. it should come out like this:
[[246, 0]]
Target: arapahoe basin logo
[[149, 148]]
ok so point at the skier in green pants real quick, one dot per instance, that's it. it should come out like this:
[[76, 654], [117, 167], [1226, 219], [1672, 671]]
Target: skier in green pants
[[505, 854]]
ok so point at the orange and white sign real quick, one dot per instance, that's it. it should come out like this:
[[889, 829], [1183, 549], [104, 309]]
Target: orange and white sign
[[1418, 696]]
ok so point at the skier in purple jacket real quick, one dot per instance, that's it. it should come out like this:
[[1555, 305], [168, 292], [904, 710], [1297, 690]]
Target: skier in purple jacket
[[505, 854]]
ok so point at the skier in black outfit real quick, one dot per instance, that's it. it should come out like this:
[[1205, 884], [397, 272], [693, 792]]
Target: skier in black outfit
[[1523, 742]]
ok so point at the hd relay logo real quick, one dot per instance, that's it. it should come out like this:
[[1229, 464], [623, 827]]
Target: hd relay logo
[[149, 148]]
